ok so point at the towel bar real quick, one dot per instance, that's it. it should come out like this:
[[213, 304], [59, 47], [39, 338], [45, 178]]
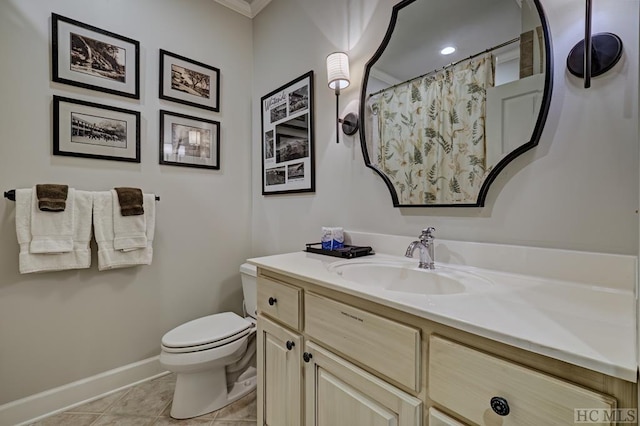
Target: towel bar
[[11, 195]]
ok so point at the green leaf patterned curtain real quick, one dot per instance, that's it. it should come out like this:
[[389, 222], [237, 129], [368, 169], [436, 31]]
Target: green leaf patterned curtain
[[430, 134]]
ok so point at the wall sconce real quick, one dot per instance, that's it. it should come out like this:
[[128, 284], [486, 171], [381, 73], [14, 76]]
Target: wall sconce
[[594, 55], [338, 77]]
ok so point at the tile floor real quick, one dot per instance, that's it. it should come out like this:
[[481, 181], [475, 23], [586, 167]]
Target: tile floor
[[149, 404]]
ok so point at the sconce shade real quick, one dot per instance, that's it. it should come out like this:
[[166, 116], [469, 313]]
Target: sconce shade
[[338, 70]]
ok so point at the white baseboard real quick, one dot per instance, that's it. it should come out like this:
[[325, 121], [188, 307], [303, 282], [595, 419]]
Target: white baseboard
[[32, 408]]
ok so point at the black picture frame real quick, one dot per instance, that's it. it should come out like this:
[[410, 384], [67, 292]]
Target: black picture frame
[[95, 59], [182, 80], [288, 163], [91, 130], [189, 141]]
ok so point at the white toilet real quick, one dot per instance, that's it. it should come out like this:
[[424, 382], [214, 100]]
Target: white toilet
[[213, 356]]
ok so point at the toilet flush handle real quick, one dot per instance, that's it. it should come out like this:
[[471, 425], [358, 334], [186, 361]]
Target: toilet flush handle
[[272, 301]]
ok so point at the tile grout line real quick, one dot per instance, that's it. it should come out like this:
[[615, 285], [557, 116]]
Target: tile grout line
[[97, 418], [156, 418]]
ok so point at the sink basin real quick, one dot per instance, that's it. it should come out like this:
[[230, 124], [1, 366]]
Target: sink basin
[[406, 277]]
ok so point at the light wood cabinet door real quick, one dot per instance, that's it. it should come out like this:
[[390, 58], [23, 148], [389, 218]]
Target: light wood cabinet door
[[337, 393], [279, 361]]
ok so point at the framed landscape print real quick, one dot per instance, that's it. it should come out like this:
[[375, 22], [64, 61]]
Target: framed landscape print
[[287, 138], [92, 58], [86, 129], [189, 141], [189, 82]]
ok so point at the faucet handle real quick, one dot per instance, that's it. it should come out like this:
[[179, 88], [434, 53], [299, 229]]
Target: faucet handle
[[427, 233]]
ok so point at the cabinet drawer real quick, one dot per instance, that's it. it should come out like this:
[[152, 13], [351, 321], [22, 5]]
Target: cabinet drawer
[[437, 418], [279, 301], [465, 381], [388, 347]]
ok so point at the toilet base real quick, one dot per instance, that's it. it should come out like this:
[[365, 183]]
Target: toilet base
[[206, 391], [245, 384]]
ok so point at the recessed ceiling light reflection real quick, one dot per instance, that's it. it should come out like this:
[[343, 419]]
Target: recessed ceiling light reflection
[[448, 50]]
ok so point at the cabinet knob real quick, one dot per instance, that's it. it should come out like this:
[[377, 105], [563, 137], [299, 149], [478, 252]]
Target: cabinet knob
[[290, 344], [272, 301], [500, 406], [307, 356]]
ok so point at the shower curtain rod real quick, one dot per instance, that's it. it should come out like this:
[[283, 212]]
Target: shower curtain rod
[[11, 195], [491, 49]]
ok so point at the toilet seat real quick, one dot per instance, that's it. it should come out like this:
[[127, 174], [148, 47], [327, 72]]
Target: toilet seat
[[206, 333]]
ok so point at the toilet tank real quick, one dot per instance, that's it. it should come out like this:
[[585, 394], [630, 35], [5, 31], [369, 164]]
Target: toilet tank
[[249, 288]]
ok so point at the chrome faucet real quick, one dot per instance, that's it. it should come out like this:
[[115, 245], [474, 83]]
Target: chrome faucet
[[425, 245]]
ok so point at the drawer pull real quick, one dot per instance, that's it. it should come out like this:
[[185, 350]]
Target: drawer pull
[[273, 301], [307, 356], [290, 344], [500, 406]]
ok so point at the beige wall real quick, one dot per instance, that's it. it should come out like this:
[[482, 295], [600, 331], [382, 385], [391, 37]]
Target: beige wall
[[63, 326], [577, 190]]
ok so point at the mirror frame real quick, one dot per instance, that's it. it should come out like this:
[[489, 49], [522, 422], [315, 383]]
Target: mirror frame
[[537, 131]]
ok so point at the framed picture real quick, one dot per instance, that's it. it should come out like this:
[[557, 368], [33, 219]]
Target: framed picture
[[86, 129], [92, 58], [189, 141], [189, 82], [287, 138]]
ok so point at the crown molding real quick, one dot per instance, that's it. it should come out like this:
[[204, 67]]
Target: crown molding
[[384, 77], [244, 8], [258, 5]]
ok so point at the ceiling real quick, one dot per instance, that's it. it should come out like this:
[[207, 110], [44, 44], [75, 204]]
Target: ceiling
[[249, 8]]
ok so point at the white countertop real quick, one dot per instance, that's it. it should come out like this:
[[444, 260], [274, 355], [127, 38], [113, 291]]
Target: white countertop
[[585, 325]]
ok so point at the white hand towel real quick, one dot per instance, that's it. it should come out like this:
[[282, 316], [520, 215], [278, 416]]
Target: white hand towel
[[52, 232], [78, 258], [108, 256], [130, 232]]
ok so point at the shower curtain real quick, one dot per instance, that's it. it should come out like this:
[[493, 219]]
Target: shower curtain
[[430, 134]]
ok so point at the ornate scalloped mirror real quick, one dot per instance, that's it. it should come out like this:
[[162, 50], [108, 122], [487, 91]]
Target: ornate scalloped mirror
[[439, 128]]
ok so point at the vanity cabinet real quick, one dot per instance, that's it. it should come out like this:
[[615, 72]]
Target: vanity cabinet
[[328, 358], [336, 392]]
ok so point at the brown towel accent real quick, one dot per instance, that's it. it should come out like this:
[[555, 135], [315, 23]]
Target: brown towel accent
[[52, 197], [130, 201]]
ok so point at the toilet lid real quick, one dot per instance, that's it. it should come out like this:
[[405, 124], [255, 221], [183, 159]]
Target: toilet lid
[[207, 330]]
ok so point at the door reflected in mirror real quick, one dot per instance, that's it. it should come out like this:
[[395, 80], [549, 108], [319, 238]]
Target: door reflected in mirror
[[438, 128]]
